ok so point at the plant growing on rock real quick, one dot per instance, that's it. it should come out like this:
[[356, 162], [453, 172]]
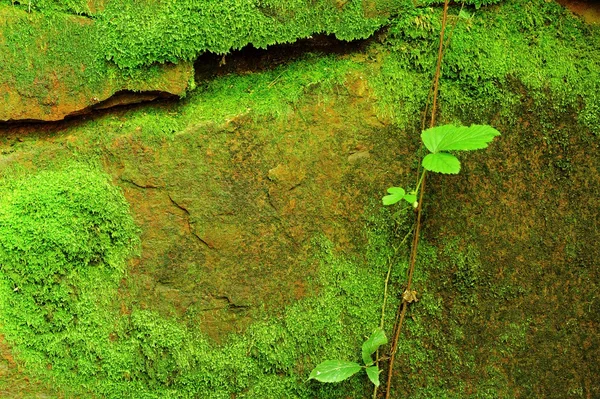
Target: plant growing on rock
[[439, 140], [339, 370]]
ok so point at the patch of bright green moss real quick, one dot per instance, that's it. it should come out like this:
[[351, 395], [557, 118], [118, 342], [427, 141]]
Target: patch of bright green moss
[[78, 7], [137, 34], [159, 32], [65, 237], [54, 64], [41, 51], [269, 94], [133, 34]]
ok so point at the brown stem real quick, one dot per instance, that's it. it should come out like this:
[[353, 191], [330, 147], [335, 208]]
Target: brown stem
[[385, 296], [404, 304], [415, 245], [438, 68]]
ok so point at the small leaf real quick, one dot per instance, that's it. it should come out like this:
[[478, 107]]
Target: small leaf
[[396, 194], [442, 162], [371, 345], [458, 138], [373, 373], [410, 198], [334, 370]]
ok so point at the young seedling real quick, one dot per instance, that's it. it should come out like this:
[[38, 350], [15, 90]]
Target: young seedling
[[439, 140], [340, 370]]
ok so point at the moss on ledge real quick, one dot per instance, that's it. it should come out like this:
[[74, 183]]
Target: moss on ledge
[[53, 65]]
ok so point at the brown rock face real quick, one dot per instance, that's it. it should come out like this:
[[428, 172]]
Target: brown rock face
[[52, 67], [62, 102], [588, 10]]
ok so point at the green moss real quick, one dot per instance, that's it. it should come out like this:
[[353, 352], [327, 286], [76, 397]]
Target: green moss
[[482, 309], [48, 6], [272, 93], [438, 350], [496, 56], [65, 235], [54, 64], [466, 268], [228, 100], [475, 3], [133, 34], [168, 32], [71, 42]]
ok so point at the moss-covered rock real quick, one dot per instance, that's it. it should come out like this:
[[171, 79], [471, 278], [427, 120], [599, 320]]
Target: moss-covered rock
[[53, 65], [62, 58], [65, 237], [237, 292]]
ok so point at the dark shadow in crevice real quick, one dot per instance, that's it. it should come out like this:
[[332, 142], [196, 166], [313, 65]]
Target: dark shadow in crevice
[[250, 59], [117, 105], [208, 66]]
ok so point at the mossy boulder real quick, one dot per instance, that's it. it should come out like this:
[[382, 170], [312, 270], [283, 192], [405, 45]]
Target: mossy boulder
[[52, 66], [265, 246], [64, 58]]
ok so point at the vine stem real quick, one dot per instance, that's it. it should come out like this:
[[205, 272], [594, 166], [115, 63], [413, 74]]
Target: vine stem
[[385, 296], [404, 304], [406, 300]]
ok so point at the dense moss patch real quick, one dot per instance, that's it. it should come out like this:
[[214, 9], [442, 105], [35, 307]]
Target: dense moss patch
[[53, 65], [65, 238], [495, 57]]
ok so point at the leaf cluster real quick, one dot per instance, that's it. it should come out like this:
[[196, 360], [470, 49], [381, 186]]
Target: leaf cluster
[[340, 370], [441, 139]]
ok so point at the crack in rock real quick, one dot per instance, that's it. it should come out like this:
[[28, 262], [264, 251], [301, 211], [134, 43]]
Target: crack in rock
[[189, 223]]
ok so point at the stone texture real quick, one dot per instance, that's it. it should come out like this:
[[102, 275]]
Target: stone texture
[[52, 67]]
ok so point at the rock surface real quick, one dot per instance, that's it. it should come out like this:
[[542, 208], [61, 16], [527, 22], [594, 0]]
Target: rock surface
[[52, 67]]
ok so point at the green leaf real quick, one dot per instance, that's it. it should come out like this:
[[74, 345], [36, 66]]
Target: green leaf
[[371, 345], [373, 373], [458, 138], [442, 162], [410, 198], [334, 371], [396, 194]]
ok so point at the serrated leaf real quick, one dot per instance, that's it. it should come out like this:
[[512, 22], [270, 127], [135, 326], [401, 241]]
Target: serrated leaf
[[442, 162], [410, 198], [458, 138], [373, 373], [396, 194], [371, 345], [334, 370]]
